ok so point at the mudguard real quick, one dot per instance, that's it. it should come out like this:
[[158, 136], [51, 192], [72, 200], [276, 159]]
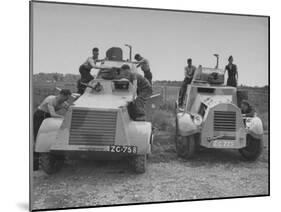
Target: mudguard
[[254, 127], [47, 134], [139, 134], [186, 125]]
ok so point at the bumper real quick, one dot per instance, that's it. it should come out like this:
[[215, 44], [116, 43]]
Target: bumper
[[225, 144], [108, 150]]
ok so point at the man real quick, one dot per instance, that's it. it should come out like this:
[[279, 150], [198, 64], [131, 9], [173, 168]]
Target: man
[[85, 70], [47, 109], [188, 76], [231, 72], [144, 64], [136, 108], [246, 109]]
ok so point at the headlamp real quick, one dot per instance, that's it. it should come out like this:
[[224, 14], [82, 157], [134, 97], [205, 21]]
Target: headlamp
[[197, 119]]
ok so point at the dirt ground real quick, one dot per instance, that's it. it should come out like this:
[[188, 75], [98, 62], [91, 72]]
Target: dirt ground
[[211, 174]]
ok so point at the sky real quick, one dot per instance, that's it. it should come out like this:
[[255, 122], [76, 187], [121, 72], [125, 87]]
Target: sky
[[64, 35]]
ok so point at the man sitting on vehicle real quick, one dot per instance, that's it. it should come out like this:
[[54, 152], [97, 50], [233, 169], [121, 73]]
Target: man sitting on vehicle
[[136, 108], [246, 109], [85, 70], [47, 109], [188, 76]]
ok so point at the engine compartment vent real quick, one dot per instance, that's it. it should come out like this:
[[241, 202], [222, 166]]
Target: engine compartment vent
[[225, 121], [91, 127]]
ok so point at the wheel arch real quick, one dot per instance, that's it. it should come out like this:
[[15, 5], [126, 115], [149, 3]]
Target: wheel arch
[[47, 134]]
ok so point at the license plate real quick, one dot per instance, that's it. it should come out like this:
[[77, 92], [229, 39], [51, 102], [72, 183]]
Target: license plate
[[223, 144], [123, 149]]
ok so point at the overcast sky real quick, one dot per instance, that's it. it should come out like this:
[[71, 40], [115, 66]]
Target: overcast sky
[[65, 34]]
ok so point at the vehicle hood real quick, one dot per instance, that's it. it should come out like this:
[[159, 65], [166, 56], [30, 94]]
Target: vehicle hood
[[103, 101]]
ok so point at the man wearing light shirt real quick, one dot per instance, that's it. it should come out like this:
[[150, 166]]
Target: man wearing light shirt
[[85, 70], [144, 64], [188, 74], [48, 109]]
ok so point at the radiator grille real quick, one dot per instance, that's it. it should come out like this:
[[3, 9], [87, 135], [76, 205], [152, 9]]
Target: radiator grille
[[225, 121], [89, 127]]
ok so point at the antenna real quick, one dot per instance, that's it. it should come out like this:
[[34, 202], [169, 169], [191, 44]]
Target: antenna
[[217, 56], [130, 48]]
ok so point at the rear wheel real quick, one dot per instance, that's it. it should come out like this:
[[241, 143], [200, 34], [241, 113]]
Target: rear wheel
[[51, 163], [139, 163], [253, 148]]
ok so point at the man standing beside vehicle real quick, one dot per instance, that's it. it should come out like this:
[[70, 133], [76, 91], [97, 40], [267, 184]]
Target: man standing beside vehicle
[[231, 72], [85, 70], [136, 108], [48, 109], [188, 76], [144, 64]]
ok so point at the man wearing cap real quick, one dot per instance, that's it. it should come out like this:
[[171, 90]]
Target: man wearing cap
[[47, 109], [231, 72], [85, 70], [144, 64], [136, 108], [188, 76]]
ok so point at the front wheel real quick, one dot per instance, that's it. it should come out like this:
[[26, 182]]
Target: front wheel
[[185, 146], [253, 148], [51, 163], [139, 163]]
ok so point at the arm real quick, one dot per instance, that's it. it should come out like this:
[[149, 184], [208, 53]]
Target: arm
[[53, 112], [140, 62], [91, 61], [185, 73], [236, 74], [225, 70]]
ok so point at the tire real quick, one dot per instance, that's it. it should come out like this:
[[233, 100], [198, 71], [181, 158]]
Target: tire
[[51, 163], [139, 163], [253, 148], [35, 161], [185, 145]]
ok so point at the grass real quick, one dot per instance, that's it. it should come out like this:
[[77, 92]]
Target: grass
[[163, 120]]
